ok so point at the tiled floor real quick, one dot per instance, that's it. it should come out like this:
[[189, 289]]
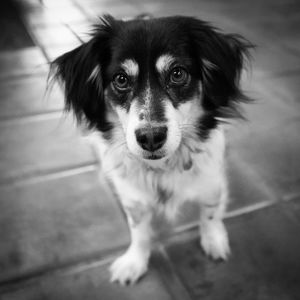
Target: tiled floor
[[57, 234]]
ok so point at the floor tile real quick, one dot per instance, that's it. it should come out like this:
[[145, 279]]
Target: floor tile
[[167, 8], [82, 30], [273, 103], [292, 208], [51, 223], [54, 36], [245, 188], [21, 62], [14, 103], [53, 16], [91, 284], [40, 146], [274, 155], [267, 61], [279, 31], [269, 141], [64, 4], [56, 51], [264, 262], [117, 9], [13, 33], [286, 87], [95, 2], [285, 9], [28, 4]]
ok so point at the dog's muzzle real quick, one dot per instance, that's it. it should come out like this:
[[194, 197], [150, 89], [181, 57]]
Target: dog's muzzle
[[151, 138]]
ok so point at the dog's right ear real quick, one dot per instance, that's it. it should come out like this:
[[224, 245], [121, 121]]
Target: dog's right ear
[[81, 73]]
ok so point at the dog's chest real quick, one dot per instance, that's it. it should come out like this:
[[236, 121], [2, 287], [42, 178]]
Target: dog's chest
[[177, 184]]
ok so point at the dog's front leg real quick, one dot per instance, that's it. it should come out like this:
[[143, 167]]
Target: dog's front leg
[[213, 234], [130, 266]]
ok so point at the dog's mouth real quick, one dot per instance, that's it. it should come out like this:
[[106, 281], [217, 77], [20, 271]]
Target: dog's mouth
[[157, 155], [153, 156]]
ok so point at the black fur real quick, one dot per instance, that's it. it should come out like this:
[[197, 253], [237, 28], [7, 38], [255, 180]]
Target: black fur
[[210, 56], [74, 68]]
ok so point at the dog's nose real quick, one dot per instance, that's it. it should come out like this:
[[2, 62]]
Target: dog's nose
[[151, 138]]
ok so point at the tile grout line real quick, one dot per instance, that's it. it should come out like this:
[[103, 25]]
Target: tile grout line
[[34, 117], [173, 284], [36, 40], [65, 269], [239, 212], [80, 8], [50, 175], [76, 35], [228, 215], [26, 74], [65, 24], [291, 196]]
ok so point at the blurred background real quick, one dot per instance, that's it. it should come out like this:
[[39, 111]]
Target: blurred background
[[61, 227]]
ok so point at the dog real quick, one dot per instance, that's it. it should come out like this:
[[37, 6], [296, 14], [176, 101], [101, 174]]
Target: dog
[[155, 94]]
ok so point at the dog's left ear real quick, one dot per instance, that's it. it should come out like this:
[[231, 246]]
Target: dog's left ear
[[221, 58], [81, 73]]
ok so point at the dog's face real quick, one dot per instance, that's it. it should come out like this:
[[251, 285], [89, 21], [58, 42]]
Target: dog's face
[[162, 81], [154, 86]]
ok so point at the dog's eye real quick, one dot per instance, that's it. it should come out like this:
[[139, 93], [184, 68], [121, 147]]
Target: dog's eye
[[178, 76], [121, 81]]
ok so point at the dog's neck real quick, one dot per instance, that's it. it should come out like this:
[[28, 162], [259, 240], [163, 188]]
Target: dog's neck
[[182, 160]]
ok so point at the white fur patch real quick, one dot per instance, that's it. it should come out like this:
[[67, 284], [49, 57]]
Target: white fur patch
[[164, 62], [131, 67], [95, 73], [147, 96], [214, 239], [130, 266], [95, 77], [207, 68], [209, 65]]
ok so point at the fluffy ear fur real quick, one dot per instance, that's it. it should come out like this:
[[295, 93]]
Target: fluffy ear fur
[[81, 72], [221, 57]]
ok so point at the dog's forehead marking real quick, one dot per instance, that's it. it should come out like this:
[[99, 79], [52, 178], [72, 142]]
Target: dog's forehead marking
[[144, 112], [163, 62], [131, 67]]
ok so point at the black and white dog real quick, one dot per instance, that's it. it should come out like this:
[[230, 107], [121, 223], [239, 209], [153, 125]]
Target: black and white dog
[[154, 93]]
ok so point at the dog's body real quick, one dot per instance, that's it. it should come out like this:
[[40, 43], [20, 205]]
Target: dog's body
[[154, 92]]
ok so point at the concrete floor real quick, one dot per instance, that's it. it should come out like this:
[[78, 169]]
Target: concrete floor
[[57, 234]]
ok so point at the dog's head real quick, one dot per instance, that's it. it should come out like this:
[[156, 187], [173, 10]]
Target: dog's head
[[161, 80]]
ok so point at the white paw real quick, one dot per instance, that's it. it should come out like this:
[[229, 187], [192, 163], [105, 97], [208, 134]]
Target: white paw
[[214, 240], [129, 267]]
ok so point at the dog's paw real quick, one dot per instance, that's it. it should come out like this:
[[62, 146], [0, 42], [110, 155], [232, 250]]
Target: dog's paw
[[214, 240], [128, 268]]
